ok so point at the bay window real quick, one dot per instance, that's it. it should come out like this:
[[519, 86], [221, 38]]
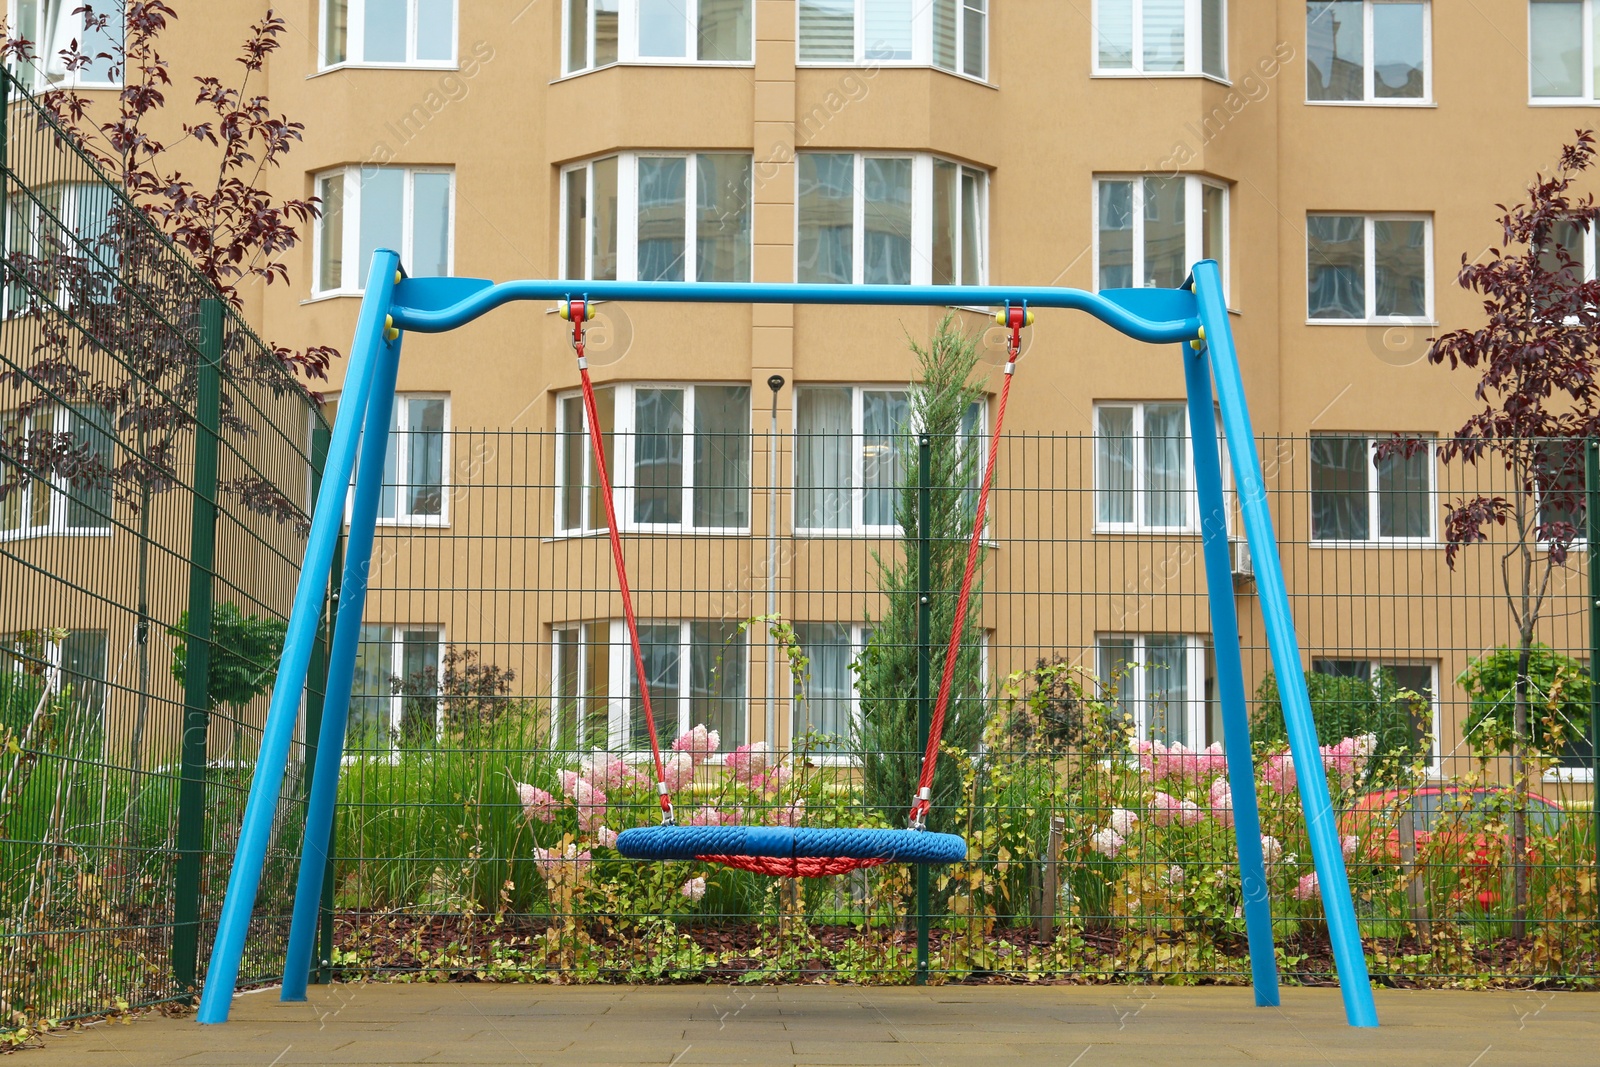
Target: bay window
[[890, 220], [53, 26], [1160, 683], [1368, 51], [409, 33], [365, 208], [951, 35], [1150, 230], [1142, 468], [1369, 268], [1358, 496], [597, 33], [650, 217], [1145, 38], [679, 458], [37, 506]]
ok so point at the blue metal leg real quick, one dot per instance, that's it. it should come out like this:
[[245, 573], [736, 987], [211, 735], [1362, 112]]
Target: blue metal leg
[[341, 670], [256, 828], [1230, 677], [1343, 931]]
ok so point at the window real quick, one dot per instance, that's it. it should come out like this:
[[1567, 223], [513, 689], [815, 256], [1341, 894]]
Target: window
[[409, 33], [1143, 236], [1561, 51], [1160, 682], [395, 696], [658, 218], [827, 704], [415, 466], [1559, 477], [64, 219], [600, 32], [890, 220], [679, 457], [1355, 496], [66, 660], [1368, 51], [1142, 468], [1161, 37], [62, 504], [696, 671], [53, 26], [410, 210], [581, 672], [1419, 678], [951, 35], [1369, 268]]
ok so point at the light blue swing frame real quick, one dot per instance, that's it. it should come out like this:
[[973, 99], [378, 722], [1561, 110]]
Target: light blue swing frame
[[394, 304]]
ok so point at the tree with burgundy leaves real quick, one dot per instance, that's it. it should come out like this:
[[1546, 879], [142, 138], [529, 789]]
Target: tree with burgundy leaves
[[1537, 357]]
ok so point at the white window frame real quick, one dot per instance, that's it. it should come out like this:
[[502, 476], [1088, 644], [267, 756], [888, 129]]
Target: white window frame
[[1373, 538], [623, 452], [922, 51], [1370, 268], [397, 651], [588, 634], [1196, 707], [350, 228], [400, 440], [628, 214], [1191, 499], [64, 226], [621, 682], [46, 71], [1193, 233], [858, 643], [56, 524], [1193, 46], [921, 216], [1591, 90], [355, 38], [628, 40], [1369, 67], [1436, 764]]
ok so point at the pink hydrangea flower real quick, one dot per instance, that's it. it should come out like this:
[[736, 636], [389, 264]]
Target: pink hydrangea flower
[[699, 743], [1270, 848], [1165, 808], [1219, 789], [1348, 758], [748, 763], [788, 814], [1222, 808], [712, 817], [605, 837], [536, 803], [677, 769], [1306, 888], [694, 888], [771, 782], [1189, 813], [549, 861], [609, 772], [1122, 820], [1347, 845], [1173, 875], [1278, 772], [589, 799], [1107, 842]]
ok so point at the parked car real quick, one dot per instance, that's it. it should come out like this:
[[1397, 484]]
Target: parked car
[[1442, 813]]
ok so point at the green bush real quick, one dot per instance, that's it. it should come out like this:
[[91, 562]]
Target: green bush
[[1349, 707], [1558, 699]]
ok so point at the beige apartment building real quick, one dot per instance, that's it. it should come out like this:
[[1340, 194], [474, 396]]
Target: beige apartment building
[[1338, 158]]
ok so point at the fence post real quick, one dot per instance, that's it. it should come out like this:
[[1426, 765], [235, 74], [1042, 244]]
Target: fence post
[[1591, 491], [924, 666], [197, 663], [5, 144], [1052, 880]]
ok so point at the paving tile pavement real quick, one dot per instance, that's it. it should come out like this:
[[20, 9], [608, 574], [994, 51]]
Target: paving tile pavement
[[377, 1025]]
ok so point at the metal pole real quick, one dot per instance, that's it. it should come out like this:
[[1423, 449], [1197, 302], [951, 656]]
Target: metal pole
[[924, 665], [775, 383], [317, 672], [197, 661], [1591, 487], [327, 520], [324, 965]]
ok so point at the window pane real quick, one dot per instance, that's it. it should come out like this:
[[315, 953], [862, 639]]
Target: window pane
[[577, 197], [330, 232], [1404, 509], [370, 700], [888, 30], [1400, 254], [887, 222], [567, 681], [717, 679], [605, 31], [1397, 51], [436, 37], [597, 685], [425, 456], [1167, 689], [658, 455], [826, 218], [574, 452], [577, 34], [829, 684], [382, 206], [1213, 39], [946, 209], [1336, 268], [1116, 235], [721, 455], [1163, 35], [1165, 248], [975, 38], [1114, 667], [92, 43], [1559, 482], [1339, 507], [822, 458], [725, 31], [722, 228], [662, 218], [1566, 236], [658, 645], [335, 29], [1115, 33], [430, 221], [389, 495], [827, 31], [944, 33], [1213, 224], [1555, 47], [1113, 447], [13, 441], [971, 229], [385, 37], [603, 246], [1335, 50], [83, 667], [1343, 668], [89, 493], [885, 416], [419, 675], [605, 402], [1166, 464], [663, 29]]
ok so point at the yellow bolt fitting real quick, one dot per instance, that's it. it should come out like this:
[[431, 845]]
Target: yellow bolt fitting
[[398, 277], [1202, 333]]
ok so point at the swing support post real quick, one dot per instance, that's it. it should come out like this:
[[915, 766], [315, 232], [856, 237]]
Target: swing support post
[[1195, 315]]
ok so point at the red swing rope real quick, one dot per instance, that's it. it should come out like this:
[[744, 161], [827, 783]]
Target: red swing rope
[[1015, 318], [579, 311]]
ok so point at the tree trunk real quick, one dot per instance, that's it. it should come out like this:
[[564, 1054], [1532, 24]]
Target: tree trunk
[[1519, 785]]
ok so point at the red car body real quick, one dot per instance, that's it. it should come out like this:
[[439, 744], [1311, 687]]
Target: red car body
[[1443, 814]]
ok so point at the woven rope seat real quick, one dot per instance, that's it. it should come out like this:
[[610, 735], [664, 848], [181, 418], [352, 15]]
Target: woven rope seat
[[791, 852]]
